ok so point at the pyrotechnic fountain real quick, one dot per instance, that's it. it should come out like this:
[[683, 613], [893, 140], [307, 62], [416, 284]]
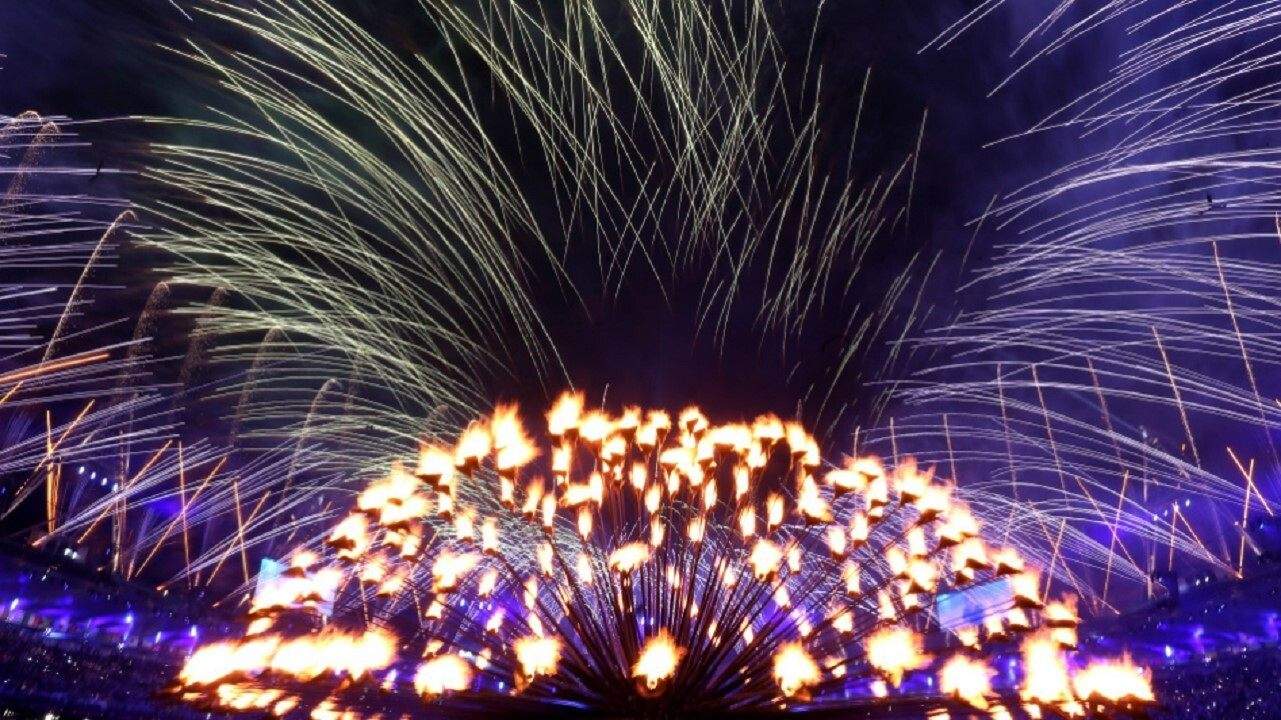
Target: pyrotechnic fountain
[[648, 565]]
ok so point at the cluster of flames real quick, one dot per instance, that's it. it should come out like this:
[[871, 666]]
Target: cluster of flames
[[766, 572]]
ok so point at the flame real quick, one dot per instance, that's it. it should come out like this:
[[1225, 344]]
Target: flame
[[489, 536], [810, 503], [630, 420], [576, 494], [1061, 614], [629, 557], [545, 555], [747, 521], [441, 674], [836, 541], [692, 420], [449, 568], [351, 536], [1045, 671], [765, 559], [657, 531], [768, 429], [966, 679], [894, 651], [843, 621], [638, 476], [909, 482], [697, 528], [533, 495], [465, 525], [488, 582], [1007, 561], [773, 510], [658, 659], [565, 413], [959, 526], [594, 427], [495, 621], [209, 664], [537, 655], [1027, 588], [846, 479], [850, 574], [794, 669], [677, 474], [1113, 681], [859, 529], [304, 657], [436, 464], [473, 444]]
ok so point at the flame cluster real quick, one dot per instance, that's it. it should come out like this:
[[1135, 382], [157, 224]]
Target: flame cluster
[[661, 557]]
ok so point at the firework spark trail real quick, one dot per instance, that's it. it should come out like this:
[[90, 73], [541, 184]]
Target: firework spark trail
[[411, 247], [1145, 260], [99, 401], [41, 239]]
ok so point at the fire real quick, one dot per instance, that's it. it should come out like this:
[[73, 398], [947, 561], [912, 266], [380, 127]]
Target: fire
[[436, 465], [1007, 561], [794, 669], [441, 674], [351, 537], [810, 503], [449, 568], [565, 413], [717, 493], [765, 559], [894, 651], [595, 427], [474, 444], [629, 557], [1045, 671], [966, 679], [747, 521], [1061, 614], [513, 448], [774, 510], [850, 574], [1113, 681], [908, 483], [836, 541], [1026, 586], [209, 664], [304, 657], [658, 659], [697, 528], [537, 655]]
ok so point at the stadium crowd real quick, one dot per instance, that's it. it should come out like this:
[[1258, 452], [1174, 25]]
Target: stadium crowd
[[47, 677], [1233, 686]]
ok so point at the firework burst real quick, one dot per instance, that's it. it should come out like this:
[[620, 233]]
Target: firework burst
[[645, 564]]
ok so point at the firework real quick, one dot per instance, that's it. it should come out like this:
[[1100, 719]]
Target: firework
[[419, 245], [573, 598], [1136, 289], [87, 425], [69, 390]]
